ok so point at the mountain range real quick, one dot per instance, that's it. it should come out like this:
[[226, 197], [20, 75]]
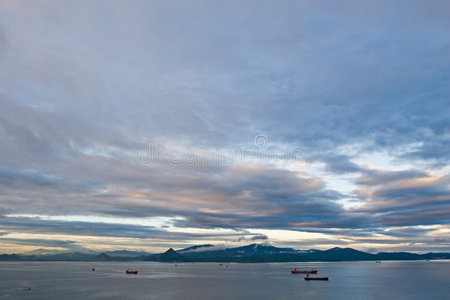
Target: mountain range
[[211, 253]]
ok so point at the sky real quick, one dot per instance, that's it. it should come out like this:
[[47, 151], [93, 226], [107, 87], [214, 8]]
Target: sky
[[144, 125]]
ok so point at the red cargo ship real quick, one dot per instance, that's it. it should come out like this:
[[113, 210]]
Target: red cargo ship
[[295, 271]]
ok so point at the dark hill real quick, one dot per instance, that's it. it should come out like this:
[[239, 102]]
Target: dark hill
[[103, 257], [5, 257], [340, 254], [171, 256], [249, 253], [397, 256], [432, 255]]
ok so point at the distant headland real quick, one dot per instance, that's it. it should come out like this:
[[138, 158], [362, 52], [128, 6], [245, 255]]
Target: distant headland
[[209, 253]]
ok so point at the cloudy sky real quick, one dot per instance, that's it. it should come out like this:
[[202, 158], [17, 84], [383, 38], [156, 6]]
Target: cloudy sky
[[144, 125]]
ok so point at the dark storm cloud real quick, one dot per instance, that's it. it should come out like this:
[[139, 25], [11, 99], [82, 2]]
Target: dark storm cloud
[[241, 193], [410, 199], [76, 228], [408, 232], [33, 225], [259, 237], [422, 216], [435, 150], [3, 43], [14, 177], [71, 245], [377, 177], [338, 163], [336, 106], [405, 193], [84, 90]]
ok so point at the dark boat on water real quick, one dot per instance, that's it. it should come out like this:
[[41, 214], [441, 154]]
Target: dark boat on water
[[131, 271], [295, 271], [315, 278]]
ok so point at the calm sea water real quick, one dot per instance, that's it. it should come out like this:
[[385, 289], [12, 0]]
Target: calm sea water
[[348, 280]]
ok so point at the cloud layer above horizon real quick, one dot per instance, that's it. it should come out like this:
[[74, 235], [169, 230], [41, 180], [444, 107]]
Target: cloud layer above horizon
[[154, 124]]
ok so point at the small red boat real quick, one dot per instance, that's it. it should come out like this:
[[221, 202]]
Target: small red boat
[[131, 271], [295, 271]]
